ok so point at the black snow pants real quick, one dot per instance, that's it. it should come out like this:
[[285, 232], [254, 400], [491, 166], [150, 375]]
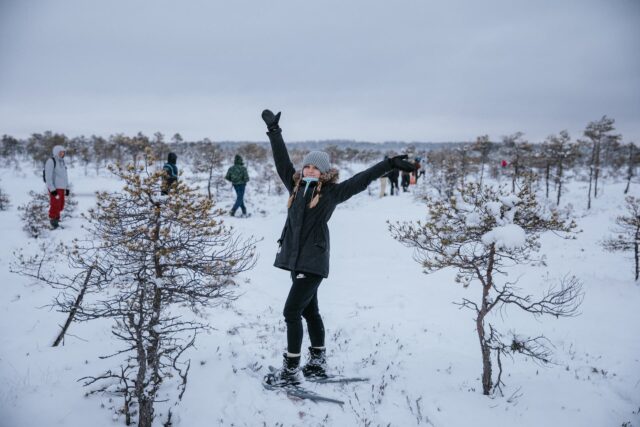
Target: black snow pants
[[406, 179], [394, 184], [303, 302]]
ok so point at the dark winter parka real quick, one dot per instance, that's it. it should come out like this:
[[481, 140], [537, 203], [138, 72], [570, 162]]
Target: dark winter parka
[[237, 173], [171, 173], [304, 242], [171, 169]]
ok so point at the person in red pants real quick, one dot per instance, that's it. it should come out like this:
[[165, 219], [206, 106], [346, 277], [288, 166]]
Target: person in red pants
[[55, 176]]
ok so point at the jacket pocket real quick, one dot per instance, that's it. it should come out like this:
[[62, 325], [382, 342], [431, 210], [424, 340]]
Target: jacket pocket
[[320, 245], [321, 238], [281, 239]]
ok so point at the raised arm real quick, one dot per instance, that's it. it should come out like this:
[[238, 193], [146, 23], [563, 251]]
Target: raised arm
[[284, 167], [360, 181]]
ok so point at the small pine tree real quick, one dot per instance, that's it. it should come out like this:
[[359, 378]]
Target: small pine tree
[[562, 153], [481, 231], [156, 255], [482, 147], [600, 136], [517, 151], [445, 171], [70, 207], [627, 237], [209, 163], [34, 214]]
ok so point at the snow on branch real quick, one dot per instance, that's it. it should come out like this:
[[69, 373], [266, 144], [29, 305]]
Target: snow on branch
[[481, 231]]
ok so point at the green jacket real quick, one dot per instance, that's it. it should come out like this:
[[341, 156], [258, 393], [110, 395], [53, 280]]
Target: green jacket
[[237, 173]]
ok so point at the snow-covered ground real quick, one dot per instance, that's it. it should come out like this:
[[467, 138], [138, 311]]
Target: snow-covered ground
[[384, 318]]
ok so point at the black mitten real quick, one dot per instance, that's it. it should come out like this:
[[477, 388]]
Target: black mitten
[[66, 192], [271, 120], [400, 162], [54, 193]]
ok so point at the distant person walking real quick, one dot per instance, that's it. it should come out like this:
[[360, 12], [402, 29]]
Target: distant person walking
[[55, 176], [393, 176], [406, 180], [239, 176], [419, 170], [170, 177]]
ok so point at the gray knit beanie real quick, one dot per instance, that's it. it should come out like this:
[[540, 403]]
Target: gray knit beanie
[[319, 159]]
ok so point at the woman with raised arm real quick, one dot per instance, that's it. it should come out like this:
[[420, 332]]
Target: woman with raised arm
[[314, 193]]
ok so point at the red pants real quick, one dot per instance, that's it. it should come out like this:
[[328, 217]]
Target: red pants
[[56, 204]]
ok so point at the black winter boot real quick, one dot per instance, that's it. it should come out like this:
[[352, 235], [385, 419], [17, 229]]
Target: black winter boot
[[288, 375], [54, 223], [316, 367]]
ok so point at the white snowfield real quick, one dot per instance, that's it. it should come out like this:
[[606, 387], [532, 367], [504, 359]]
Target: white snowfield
[[384, 319]]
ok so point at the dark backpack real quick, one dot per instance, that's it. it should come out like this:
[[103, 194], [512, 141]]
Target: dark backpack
[[171, 169], [44, 178]]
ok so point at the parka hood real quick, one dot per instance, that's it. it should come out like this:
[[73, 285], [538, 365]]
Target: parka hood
[[56, 150], [238, 160]]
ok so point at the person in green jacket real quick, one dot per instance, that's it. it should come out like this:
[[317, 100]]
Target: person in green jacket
[[239, 177]]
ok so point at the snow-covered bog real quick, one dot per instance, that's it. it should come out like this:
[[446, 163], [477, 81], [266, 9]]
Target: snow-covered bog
[[385, 319]]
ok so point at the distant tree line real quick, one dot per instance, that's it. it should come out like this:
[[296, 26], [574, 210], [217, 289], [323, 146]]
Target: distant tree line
[[599, 152]]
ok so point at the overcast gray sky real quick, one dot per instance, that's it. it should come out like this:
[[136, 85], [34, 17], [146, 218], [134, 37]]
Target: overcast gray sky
[[410, 70]]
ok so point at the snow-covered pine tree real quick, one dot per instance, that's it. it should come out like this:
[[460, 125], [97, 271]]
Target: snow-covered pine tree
[[483, 147], [601, 138], [627, 233], [10, 151], [162, 261], [543, 163], [34, 214], [444, 171], [481, 232], [462, 156], [209, 163], [517, 150], [562, 153], [70, 206]]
